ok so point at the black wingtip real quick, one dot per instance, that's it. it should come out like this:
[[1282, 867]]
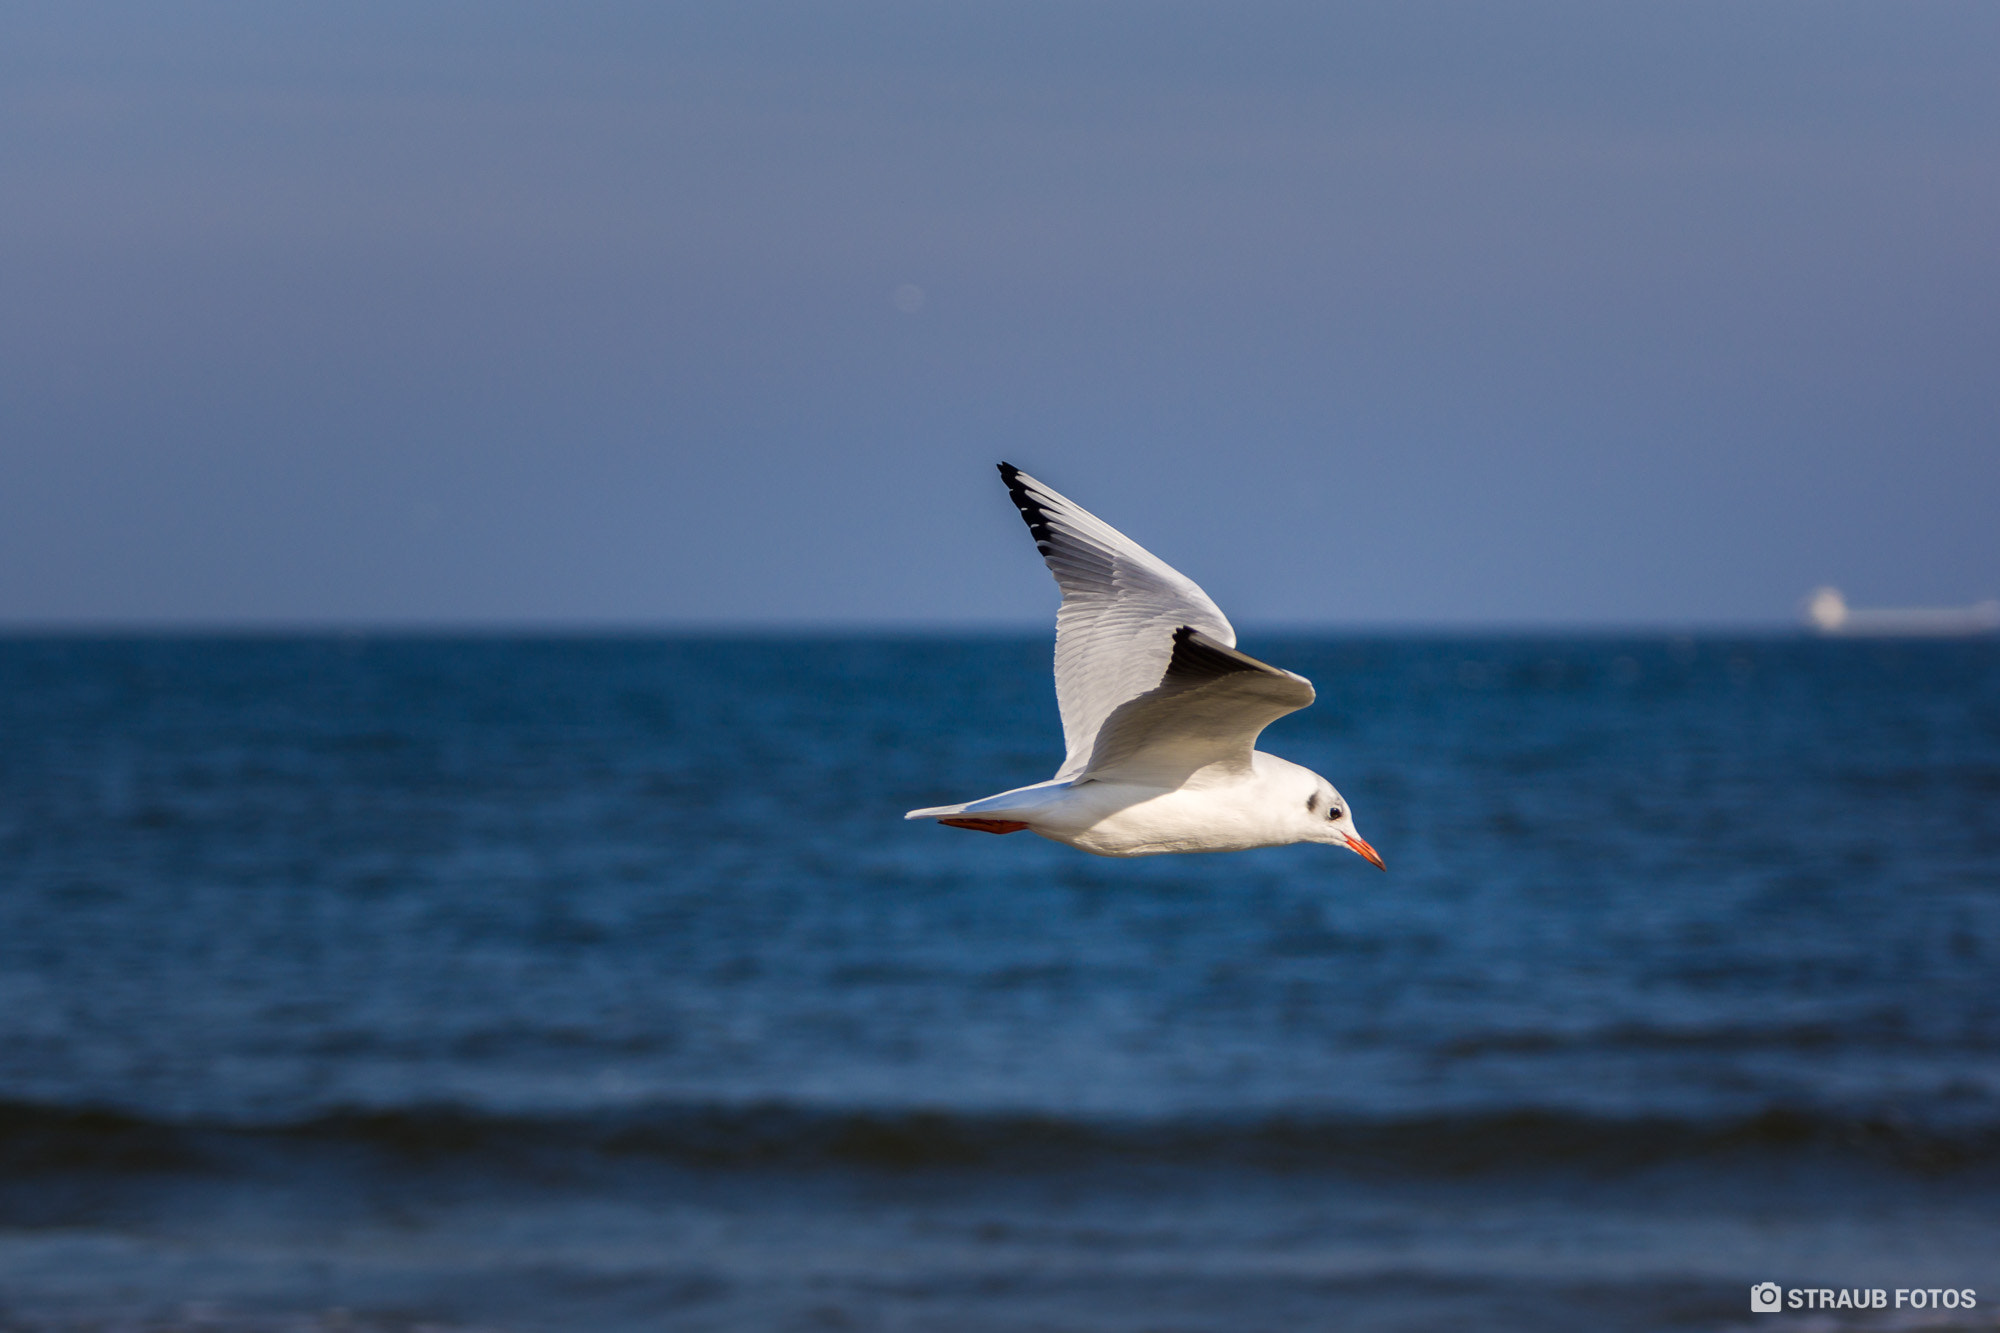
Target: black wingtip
[[1031, 509]]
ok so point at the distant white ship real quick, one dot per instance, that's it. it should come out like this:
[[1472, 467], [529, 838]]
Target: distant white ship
[[1828, 612]]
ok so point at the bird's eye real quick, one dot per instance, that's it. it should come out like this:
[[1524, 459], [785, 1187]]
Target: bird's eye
[[1334, 813]]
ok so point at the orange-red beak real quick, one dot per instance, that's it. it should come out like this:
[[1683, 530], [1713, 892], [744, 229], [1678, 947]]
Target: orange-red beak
[[1360, 847]]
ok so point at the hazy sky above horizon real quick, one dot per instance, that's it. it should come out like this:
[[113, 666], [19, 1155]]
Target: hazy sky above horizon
[[643, 314]]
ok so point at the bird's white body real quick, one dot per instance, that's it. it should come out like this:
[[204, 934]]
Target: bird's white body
[[1220, 812], [1160, 713]]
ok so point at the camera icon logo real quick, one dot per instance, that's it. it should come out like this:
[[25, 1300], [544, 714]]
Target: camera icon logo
[[1765, 1298]]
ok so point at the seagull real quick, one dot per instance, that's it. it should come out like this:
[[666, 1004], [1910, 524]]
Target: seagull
[[1160, 712]]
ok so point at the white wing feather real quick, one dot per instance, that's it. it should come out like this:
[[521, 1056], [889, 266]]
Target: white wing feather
[[1116, 642]]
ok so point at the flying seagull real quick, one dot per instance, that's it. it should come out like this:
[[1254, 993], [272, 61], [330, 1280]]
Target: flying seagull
[[1160, 713]]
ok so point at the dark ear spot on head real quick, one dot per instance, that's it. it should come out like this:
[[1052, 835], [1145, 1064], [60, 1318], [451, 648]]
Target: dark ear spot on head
[[1312, 803]]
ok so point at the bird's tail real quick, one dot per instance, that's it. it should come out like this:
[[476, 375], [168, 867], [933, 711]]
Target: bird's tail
[[939, 811], [1018, 802]]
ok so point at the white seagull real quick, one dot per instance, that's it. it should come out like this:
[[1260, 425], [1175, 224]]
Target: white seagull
[[1160, 713]]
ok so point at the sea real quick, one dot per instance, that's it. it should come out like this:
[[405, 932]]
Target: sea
[[596, 984]]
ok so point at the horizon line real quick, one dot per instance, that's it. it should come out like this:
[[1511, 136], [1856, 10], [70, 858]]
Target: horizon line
[[698, 628]]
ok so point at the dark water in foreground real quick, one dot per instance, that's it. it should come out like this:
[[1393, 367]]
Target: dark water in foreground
[[597, 985]]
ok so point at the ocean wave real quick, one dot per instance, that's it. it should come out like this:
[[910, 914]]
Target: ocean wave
[[39, 1139]]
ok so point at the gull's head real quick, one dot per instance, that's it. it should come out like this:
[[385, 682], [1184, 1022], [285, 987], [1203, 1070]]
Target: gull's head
[[1327, 817]]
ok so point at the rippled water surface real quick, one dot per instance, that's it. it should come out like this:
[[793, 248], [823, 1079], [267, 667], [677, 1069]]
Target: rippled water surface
[[573, 983]]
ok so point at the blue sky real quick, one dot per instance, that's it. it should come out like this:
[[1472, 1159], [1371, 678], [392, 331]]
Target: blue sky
[[477, 314]]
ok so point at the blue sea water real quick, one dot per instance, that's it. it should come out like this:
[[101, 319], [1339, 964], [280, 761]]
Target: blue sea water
[[597, 984]]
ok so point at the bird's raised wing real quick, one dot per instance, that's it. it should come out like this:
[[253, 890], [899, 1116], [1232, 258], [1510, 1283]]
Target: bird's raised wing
[[1138, 642]]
